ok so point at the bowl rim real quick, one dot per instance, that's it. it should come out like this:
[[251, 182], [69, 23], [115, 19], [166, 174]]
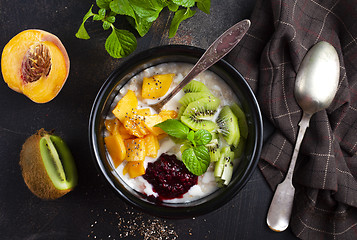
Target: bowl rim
[[164, 210]]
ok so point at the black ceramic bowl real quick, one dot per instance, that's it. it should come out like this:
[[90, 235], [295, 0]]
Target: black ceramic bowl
[[186, 54]]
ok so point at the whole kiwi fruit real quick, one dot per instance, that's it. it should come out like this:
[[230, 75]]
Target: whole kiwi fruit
[[47, 165]]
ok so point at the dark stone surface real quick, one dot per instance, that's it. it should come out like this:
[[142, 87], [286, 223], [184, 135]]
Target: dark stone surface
[[93, 210]]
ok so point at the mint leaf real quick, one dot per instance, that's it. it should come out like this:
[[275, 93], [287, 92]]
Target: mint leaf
[[140, 25], [106, 25], [120, 43], [196, 159], [185, 3], [103, 4], [82, 32], [149, 10], [111, 19], [180, 16], [173, 6], [122, 7], [202, 137], [204, 5], [174, 128], [191, 137]]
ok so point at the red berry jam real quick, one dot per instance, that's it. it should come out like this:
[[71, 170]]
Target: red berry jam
[[169, 177]]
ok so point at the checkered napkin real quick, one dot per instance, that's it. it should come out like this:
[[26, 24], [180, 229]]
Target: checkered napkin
[[269, 56]]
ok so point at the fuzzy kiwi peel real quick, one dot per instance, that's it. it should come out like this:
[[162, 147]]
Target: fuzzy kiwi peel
[[47, 165]]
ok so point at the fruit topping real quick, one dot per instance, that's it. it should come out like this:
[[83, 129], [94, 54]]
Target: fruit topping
[[228, 126], [169, 177], [195, 86], [156, 86], [224, 167], [133, 135]]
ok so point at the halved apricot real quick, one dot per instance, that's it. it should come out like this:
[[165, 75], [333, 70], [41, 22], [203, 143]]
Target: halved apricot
[[36, 64]]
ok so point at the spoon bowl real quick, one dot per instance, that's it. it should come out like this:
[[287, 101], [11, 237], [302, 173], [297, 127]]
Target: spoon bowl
[[315, 87], [316, 83]]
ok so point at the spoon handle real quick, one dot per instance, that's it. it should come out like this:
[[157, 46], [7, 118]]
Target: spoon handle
[[280, 208], [218, 49]]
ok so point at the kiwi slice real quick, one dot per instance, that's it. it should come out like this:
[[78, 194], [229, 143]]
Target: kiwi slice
[[202, 108], [213, 149], [242, 120], [223, 169], [181, 111], [196, 123], [194, 96], [228, 126], [195, 86], [47, 166]]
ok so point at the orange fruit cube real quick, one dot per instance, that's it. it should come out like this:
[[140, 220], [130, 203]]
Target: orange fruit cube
[[156, 86], [152, 145], [134, 168], [167, 114], [151, 121], [135, 149], [126, 106], [116, 148]]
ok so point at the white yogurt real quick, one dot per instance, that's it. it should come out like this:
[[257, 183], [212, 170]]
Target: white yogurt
[[206, 182]]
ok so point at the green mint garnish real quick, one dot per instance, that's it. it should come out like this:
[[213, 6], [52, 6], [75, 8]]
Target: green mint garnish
[[174, 128], [140, 14], [195, 154], [202, 137], [196, 159]]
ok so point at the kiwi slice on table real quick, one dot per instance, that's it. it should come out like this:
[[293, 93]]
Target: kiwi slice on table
[[47, 165], [195, 86], [228, 126]]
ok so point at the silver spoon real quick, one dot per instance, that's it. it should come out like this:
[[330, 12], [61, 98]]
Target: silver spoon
[[315, 87], [218, 49]]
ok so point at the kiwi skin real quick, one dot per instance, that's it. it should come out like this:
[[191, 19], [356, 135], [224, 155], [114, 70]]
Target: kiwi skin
[[33, 169]]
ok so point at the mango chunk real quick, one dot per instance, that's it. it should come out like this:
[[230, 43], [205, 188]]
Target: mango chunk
[[152, 145], [134, 168], [125, 134], [135, 149], [116, 148], [151, 121], [135, 126], [167, 114], [156, 86], [143, 112], [126, 106], [112, 125]]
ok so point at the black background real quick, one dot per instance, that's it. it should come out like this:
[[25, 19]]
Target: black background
[[93, 210]]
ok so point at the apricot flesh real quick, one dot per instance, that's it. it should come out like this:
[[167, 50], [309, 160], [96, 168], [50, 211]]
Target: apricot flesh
[[36, 64]]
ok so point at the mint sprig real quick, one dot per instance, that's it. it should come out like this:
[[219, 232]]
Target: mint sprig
[[140, 14], [195, 154]]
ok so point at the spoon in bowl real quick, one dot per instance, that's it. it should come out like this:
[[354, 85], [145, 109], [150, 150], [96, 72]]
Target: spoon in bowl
[[218, 49], [315, 87]]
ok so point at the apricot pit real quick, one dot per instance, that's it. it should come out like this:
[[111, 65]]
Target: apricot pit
[[36, 64]]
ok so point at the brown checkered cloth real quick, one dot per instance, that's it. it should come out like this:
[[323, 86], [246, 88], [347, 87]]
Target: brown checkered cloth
[[269, 56]]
